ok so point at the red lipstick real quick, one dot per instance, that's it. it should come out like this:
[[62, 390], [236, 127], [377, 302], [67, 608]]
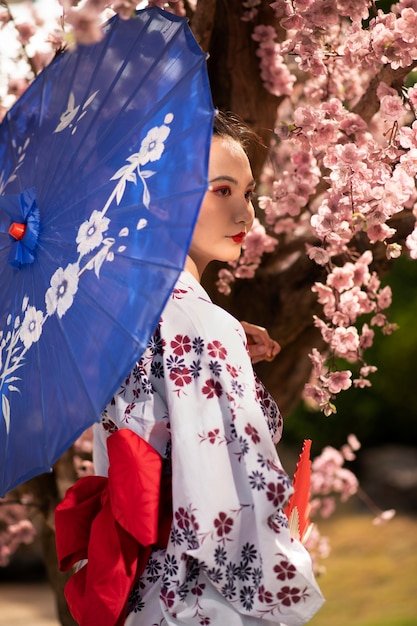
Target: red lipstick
[[239, 237]]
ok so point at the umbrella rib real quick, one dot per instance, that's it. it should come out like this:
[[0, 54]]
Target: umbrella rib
[[143, 118], [149, 115], [71, 355], [69, 208], [111, 86], [53, 160], [140, 124], [11, 153]]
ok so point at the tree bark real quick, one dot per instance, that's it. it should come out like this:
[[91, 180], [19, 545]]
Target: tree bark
[[233, 68], [368, 105], [202, 23]]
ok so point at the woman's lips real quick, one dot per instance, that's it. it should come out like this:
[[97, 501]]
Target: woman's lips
[[239, 237]]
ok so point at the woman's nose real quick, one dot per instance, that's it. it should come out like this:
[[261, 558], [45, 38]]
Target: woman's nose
[[245, 211]]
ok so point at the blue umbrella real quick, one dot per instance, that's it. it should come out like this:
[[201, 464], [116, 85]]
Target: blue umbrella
[[103, 167]]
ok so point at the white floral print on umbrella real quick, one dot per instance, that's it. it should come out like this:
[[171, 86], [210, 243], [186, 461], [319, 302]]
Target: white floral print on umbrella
[[21, 334], [64, 286], [31, 328], [90, 233]]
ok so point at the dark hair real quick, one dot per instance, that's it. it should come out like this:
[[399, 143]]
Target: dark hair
[[228, 124]]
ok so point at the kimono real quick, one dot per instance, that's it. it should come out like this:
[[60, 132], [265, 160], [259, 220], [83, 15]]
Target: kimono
[[194, 397]]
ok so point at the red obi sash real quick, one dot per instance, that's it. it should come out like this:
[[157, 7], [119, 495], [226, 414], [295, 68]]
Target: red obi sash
[[113, 522]]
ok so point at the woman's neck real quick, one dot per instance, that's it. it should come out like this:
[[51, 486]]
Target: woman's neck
[[191, 267]]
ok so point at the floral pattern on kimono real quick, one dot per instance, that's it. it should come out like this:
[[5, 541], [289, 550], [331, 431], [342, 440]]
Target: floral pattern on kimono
[[195, 398]]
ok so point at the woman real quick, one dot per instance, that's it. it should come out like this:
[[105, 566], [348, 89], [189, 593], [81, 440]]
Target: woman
[[224, 555]]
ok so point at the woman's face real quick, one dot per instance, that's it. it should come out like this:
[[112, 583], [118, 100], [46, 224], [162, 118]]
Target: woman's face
[[227, 213]]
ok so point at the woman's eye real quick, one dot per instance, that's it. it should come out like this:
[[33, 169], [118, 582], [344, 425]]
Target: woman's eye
[[250, 194], [222, 191]]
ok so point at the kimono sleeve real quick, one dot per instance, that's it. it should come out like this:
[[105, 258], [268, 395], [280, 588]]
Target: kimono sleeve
[[229, 531]]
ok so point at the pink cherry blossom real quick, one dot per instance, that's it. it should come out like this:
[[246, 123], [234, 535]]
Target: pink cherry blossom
[[316, 393], [329, 477], [384, 516], [338, 381], [86, 25], [380, 232], [366, 337], [25, 30], [411, 243], [348, 453], [273, 69], [392, 108], [5, 17], [345, 341], [379, 320], [384, 297], [125, 8], [318, 254], [326, 330], [353, 442], [318, 361], [341, 278], [17, 86], [16, 528]]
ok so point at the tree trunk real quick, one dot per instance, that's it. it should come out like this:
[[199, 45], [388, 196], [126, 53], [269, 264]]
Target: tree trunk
[[279, 299], [233, 68]]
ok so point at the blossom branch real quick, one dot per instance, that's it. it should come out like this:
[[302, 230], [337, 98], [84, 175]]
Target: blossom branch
[[369, 103]]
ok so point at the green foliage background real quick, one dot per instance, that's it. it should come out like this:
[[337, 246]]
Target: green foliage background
[[387, 411]]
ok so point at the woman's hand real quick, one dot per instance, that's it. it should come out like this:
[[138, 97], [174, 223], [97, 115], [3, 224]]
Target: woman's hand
[[260, 345]]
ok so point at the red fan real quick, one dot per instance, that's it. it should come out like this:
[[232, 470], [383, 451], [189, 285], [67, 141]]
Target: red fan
[[298, 508]]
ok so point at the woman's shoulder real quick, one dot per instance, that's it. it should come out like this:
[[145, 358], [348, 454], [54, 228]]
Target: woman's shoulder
[[190, 309], [187, 288], [190, 297]]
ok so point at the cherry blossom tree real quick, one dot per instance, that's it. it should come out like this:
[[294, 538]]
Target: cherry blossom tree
[[329, 86], [338, 188]]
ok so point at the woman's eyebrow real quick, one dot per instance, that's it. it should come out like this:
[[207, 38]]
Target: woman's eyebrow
[[230, 179]]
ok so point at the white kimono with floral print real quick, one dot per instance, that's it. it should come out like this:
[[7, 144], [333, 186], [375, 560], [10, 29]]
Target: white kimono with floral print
[[194, 397]]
